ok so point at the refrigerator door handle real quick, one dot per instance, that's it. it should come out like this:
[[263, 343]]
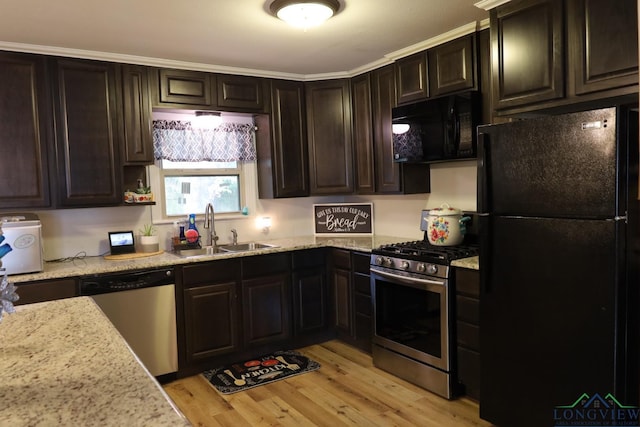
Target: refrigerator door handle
[[483, 184], [485, 221]]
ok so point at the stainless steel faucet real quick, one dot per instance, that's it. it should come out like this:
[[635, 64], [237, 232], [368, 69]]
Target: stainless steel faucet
[[210, 224], [234, 233]]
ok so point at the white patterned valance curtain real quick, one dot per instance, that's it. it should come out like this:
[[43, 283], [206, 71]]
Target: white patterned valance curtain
[[179, 141]]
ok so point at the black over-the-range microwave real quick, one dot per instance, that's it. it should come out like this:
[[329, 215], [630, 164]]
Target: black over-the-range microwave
[[437, 129]]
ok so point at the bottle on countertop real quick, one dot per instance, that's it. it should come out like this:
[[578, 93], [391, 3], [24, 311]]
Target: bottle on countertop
[[192, 222], [191, 233]]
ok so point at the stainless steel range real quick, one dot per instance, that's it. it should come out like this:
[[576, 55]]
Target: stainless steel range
[[413, 288]]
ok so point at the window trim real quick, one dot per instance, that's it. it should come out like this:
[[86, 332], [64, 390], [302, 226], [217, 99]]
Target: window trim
[[247, 174]]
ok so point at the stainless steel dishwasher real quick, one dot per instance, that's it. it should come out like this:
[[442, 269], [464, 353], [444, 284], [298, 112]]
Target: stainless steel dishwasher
[[141, 305]]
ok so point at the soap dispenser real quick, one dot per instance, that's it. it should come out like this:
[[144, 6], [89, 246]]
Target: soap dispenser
[[191, 233]]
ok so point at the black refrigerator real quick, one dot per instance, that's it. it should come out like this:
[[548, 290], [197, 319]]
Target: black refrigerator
[[559, 285]]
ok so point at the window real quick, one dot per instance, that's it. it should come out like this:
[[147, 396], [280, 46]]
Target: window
[[197, 166], [189, 186]]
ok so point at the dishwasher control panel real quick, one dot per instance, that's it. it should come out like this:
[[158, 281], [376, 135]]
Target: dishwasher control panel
[[104, 283]]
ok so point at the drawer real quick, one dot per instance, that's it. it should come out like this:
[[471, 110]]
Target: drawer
[[468, 282], [341, 258], [468, 309], [264, 265], [469, 371], [205, 273], [308, 258], [468, 335], [362, 284], [360, 262], [363, 304]]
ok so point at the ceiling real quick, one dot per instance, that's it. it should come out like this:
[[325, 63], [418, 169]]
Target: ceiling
[[236, 36]]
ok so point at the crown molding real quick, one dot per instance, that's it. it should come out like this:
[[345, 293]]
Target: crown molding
[[143, 60], [434, 41], [490, 4], [210, 68]]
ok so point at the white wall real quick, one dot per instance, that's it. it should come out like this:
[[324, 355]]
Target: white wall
[[69, 232]]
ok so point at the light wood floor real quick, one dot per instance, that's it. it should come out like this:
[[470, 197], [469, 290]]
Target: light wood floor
[[346, 390]]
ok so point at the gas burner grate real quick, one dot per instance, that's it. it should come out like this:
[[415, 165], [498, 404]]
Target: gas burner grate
[[422, 250]]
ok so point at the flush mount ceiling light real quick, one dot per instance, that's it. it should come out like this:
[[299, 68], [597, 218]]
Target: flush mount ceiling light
[[304, 13], [207, 119]]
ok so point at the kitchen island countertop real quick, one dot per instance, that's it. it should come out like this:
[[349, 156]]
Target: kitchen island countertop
[[63, 363]]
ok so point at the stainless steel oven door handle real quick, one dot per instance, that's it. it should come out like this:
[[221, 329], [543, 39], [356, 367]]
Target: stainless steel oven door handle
[[414, 282]]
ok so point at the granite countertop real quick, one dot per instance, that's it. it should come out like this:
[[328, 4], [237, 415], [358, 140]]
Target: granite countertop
[[472, 263], [98, 265], [63, 363]]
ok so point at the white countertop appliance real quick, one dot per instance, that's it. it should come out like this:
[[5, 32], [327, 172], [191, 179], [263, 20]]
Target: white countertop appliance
[[23, 232]]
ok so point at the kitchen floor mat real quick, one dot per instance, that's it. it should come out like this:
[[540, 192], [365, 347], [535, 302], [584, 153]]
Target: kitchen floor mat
[[259, 370]]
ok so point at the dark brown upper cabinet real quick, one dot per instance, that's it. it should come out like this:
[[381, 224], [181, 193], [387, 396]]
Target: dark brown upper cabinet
[[484, 77], [373, 97], [528, 52], [241, 93], [392, 177], [384, 94], [533, 42], [184, 89], [452, 66], [88, 133], [329, 137], [281, 143], [136, 108], [26, 131], [603, 40], [411, 78], [363, 145]]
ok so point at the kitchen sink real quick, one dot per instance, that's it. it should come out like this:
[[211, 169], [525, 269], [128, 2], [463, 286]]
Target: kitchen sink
[[241, 247], [221, 249], [197, 252]]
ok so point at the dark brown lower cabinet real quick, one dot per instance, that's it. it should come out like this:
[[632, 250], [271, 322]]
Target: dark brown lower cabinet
[[341, 294], [310, 292], [265, 309], [362, 302], [351, 294], [266, 299], [468, 330], [210, 310], [230, 309], [46, 290]]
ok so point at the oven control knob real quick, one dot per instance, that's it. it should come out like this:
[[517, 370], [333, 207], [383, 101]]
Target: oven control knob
[[384, 261], [404, 265], [421, 268], [432, 269]]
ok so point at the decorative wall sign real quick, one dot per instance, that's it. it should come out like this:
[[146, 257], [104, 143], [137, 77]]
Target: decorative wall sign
[[343, 218]]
